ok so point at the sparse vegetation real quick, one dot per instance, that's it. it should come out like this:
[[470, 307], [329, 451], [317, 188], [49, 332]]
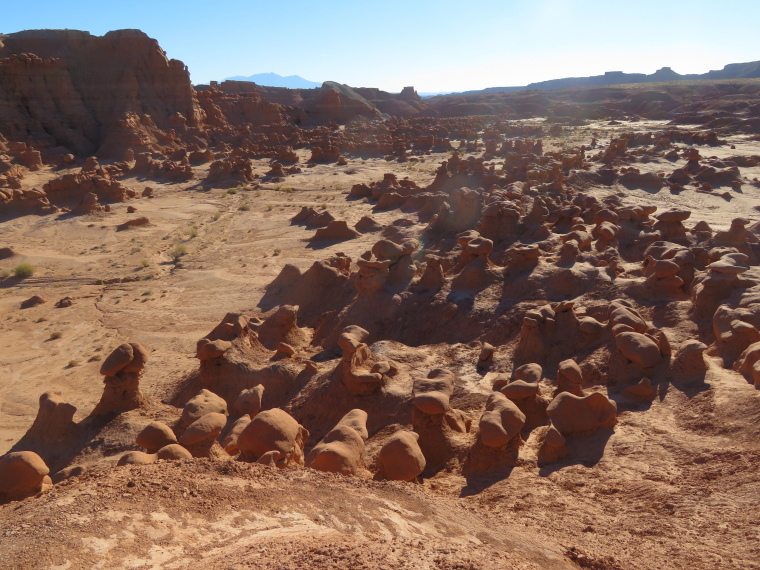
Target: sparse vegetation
[[244, 207], [55, 335], [23, 270], [144, 262], [216, 215], [232, 191], [193, 233], [73, 363], [5, 273], [179, 251]]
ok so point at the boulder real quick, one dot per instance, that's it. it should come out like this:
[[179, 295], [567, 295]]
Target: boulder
[[205, 402], [274, 430], [154, 436], [137, 458], [340, 451], [204, 428], [400, 458], [638, 348], [572, 414], [173, 452], [22, 474], [431, 395], [501, 421]]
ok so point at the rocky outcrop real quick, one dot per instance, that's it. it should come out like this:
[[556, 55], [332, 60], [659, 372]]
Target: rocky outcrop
[[81, 86]]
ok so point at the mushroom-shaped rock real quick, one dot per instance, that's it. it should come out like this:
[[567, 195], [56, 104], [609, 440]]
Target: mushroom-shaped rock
[[360, 372], [204, 428], [530, 373], [570, 377], [431, 394], [673, 215], [501, 421], [401, 458], [208, 349], [122, 370], [274, 430], [205, 402], [22, 474], [137, 458], [173, 452], [350, 339], [154, 436], [386, 249], [230, 443], [120, 357], [249, 401], [574, 414], [340, 451], [624, 315], [729, 265], [127, 357], [372, 275], [638, 348]]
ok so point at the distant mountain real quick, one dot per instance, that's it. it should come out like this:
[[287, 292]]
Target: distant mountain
[[428, 95], [730, 71], [274, 80]]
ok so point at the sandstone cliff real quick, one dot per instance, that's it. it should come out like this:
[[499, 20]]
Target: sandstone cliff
[[68, 88]]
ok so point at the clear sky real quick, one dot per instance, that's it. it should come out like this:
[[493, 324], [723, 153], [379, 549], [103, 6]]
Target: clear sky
[[433, 45]]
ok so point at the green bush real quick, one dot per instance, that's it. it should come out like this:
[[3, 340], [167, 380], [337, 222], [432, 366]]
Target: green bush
[[23, 270]]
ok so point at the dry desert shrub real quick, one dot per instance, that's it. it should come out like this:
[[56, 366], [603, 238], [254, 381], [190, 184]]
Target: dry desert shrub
[[23, 270]]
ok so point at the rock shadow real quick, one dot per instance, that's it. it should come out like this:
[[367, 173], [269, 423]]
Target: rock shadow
[[478, 483], [586, 450]]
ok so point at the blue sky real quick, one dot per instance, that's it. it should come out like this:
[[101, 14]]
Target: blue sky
[[433, 45]]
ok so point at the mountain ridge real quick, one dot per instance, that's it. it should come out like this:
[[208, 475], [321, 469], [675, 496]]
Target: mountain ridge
[[275, 80], [745, 70]]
